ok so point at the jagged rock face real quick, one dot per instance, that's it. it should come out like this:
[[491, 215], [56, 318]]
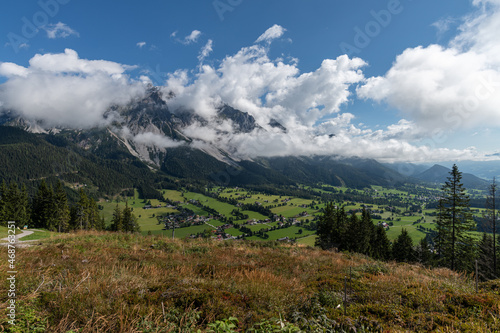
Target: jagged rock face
[[275, 124], [150, 114], [242, 121]]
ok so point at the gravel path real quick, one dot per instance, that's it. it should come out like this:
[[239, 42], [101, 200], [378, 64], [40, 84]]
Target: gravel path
[[19, 243]]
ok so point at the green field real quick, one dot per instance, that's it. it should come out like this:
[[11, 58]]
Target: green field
[[222, 207], [148, 222], [291, 232], [146, 218], [309, 240], [39, 234]]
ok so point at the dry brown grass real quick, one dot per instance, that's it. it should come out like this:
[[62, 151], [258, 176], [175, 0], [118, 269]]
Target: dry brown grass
[[104, 282]]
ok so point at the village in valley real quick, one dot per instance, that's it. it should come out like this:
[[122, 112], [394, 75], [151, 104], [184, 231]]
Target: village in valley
[[237, 213]]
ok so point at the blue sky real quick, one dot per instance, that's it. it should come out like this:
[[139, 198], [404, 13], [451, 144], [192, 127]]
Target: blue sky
[[158, 38], [316, 29]]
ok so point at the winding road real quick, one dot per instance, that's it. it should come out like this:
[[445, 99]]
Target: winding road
[[20, 243]]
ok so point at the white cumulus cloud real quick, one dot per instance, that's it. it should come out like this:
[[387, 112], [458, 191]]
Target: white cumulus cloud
[[448, 87], [274, 32], [308, 104]]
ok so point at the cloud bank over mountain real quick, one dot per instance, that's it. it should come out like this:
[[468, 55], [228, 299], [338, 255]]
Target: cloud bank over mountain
[[437, 90], [64, 90]]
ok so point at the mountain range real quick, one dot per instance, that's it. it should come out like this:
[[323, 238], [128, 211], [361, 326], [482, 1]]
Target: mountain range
[[146, 143]]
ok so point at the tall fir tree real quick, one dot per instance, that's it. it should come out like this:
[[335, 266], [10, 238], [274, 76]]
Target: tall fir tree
[[367, 232], [423, 253], [62, 210], [339, 229], [492, 225], [354, 240], [85, 214], [94, 220], [325, 227], [117, 220], [80, 219], [402, 249], [485, 258], [454, 221], [14, 204], [381, 246], [44, 208], [25, 209], [129, 220]]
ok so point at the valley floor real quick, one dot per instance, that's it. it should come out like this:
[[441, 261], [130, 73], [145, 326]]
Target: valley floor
[[403, 208]]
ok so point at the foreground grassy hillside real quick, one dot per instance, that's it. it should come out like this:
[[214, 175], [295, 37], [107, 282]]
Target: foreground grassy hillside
[[104, 282]]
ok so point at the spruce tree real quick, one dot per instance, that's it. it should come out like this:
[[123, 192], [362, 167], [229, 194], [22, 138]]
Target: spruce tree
[[454, 222], [353, 240], [94, 220], [492, 225], [25, 211], [485, 258], [381, 246], [62, 210], [44, 208], [423, 253], [367, 233], [402, 249], [129, 220], [79, 212], [14, 204], [117, 220], [325, 227], [339, 229]]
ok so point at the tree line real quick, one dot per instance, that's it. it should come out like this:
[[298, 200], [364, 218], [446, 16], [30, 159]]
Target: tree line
[[49, 209], [451, 244]]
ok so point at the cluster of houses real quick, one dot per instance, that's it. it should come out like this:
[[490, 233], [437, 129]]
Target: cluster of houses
[[182, 220], [220, 232], [281, 220]]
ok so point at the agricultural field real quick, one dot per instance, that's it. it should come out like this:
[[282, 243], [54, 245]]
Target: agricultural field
[[294, 211], [146, 218]]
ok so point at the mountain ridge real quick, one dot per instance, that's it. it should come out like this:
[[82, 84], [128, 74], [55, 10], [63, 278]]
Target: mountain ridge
[[148, 132]]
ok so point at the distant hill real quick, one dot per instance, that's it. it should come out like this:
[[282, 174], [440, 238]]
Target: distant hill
[[184, 162], [482, 169], [407, 169], [351, 172], [438, 174]]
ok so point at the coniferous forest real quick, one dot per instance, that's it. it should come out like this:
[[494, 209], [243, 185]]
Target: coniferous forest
[[452, 245]]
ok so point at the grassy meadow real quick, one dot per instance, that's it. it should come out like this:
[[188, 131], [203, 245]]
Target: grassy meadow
[[113, 282]]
